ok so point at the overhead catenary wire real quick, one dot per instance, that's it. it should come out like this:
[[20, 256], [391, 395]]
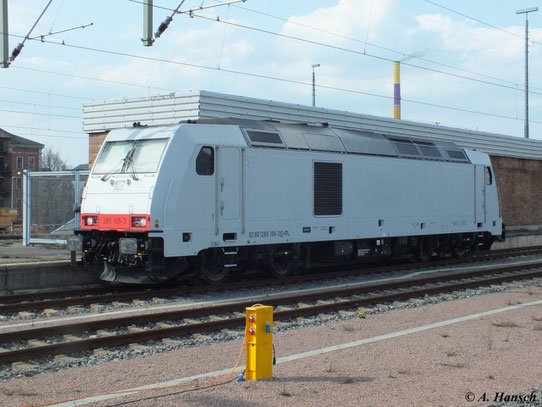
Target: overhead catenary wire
[[90, 78], [56, 15], [369, 55], [43, 129], [361, 53], [366, 93], [83, 138], [477, 20], [368, 26], [41, 114], [366, 42], [43, 93], [269, 77], [364, 53], [39, 105]]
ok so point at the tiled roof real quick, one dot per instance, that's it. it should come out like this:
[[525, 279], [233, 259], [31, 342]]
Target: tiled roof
[[20, 141], [4, 133]]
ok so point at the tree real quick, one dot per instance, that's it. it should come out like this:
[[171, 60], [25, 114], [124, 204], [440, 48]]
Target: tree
[[52, 196], [52, 161]]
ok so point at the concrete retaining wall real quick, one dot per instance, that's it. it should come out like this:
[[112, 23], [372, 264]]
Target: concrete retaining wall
[[56, 274]]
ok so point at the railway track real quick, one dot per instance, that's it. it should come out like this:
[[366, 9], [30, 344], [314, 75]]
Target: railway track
[[15, 303], [62, 339]]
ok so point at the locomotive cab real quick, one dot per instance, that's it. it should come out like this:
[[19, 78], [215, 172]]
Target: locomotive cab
[[116, 206]]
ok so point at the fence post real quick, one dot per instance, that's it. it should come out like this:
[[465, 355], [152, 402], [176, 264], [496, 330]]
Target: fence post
[[26, 207]]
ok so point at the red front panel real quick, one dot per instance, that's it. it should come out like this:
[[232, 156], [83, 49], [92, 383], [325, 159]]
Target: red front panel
[[98, 221]]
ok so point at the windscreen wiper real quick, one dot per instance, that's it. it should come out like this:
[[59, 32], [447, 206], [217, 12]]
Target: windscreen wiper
[[129, 162]]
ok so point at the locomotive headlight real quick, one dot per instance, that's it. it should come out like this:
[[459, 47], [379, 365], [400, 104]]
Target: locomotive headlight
[[139, 221], [91, 220]]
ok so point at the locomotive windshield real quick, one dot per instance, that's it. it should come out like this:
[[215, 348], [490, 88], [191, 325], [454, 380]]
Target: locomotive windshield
[[132, 156]]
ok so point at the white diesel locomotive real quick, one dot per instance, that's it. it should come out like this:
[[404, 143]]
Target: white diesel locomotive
[[208, 199]]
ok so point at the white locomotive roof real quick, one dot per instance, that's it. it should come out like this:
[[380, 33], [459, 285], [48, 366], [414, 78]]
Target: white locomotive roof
[[170, 109], [140, 133], [321, 137]]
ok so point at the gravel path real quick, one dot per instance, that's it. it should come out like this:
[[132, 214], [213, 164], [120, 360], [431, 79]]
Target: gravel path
[[437, 367]]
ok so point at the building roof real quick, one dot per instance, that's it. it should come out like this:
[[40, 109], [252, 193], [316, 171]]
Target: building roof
[[81, 167], [163, 110], [21, 141], [5, 134]]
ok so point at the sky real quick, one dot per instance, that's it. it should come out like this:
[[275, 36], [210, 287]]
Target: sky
[[463, 61]]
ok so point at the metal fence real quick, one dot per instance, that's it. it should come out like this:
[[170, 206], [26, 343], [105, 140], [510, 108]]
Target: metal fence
[[49, 202]]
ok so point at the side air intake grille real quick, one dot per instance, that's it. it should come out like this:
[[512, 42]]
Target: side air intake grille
[[328, 188]]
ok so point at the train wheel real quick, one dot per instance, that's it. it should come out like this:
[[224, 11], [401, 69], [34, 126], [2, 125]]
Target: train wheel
[[212, 267], [459, 250], [424, 250], [281, 261]]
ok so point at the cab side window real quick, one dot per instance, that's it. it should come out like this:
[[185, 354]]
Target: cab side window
[[205, 162], [489, 176]]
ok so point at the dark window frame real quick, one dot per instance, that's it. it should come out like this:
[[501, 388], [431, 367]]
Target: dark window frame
[[267, 137], [205, 162], [488, 176], [263, 138]]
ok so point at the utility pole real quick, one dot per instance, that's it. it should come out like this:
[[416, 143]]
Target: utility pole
[[4, 43], [526, 12], [147, 23]]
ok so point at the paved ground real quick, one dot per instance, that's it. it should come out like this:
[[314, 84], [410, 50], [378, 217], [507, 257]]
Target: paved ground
[[13, 251]]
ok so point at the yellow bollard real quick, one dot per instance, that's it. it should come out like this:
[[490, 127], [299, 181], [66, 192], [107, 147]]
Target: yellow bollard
[[259, 337]]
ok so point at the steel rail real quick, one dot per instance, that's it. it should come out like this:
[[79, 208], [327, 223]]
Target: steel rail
[[30, 302], [507, 274]]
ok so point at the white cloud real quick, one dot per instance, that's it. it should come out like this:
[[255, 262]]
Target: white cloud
[[21, 17], [349, 18], [199, 47], [468, 37], [207, 45]]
